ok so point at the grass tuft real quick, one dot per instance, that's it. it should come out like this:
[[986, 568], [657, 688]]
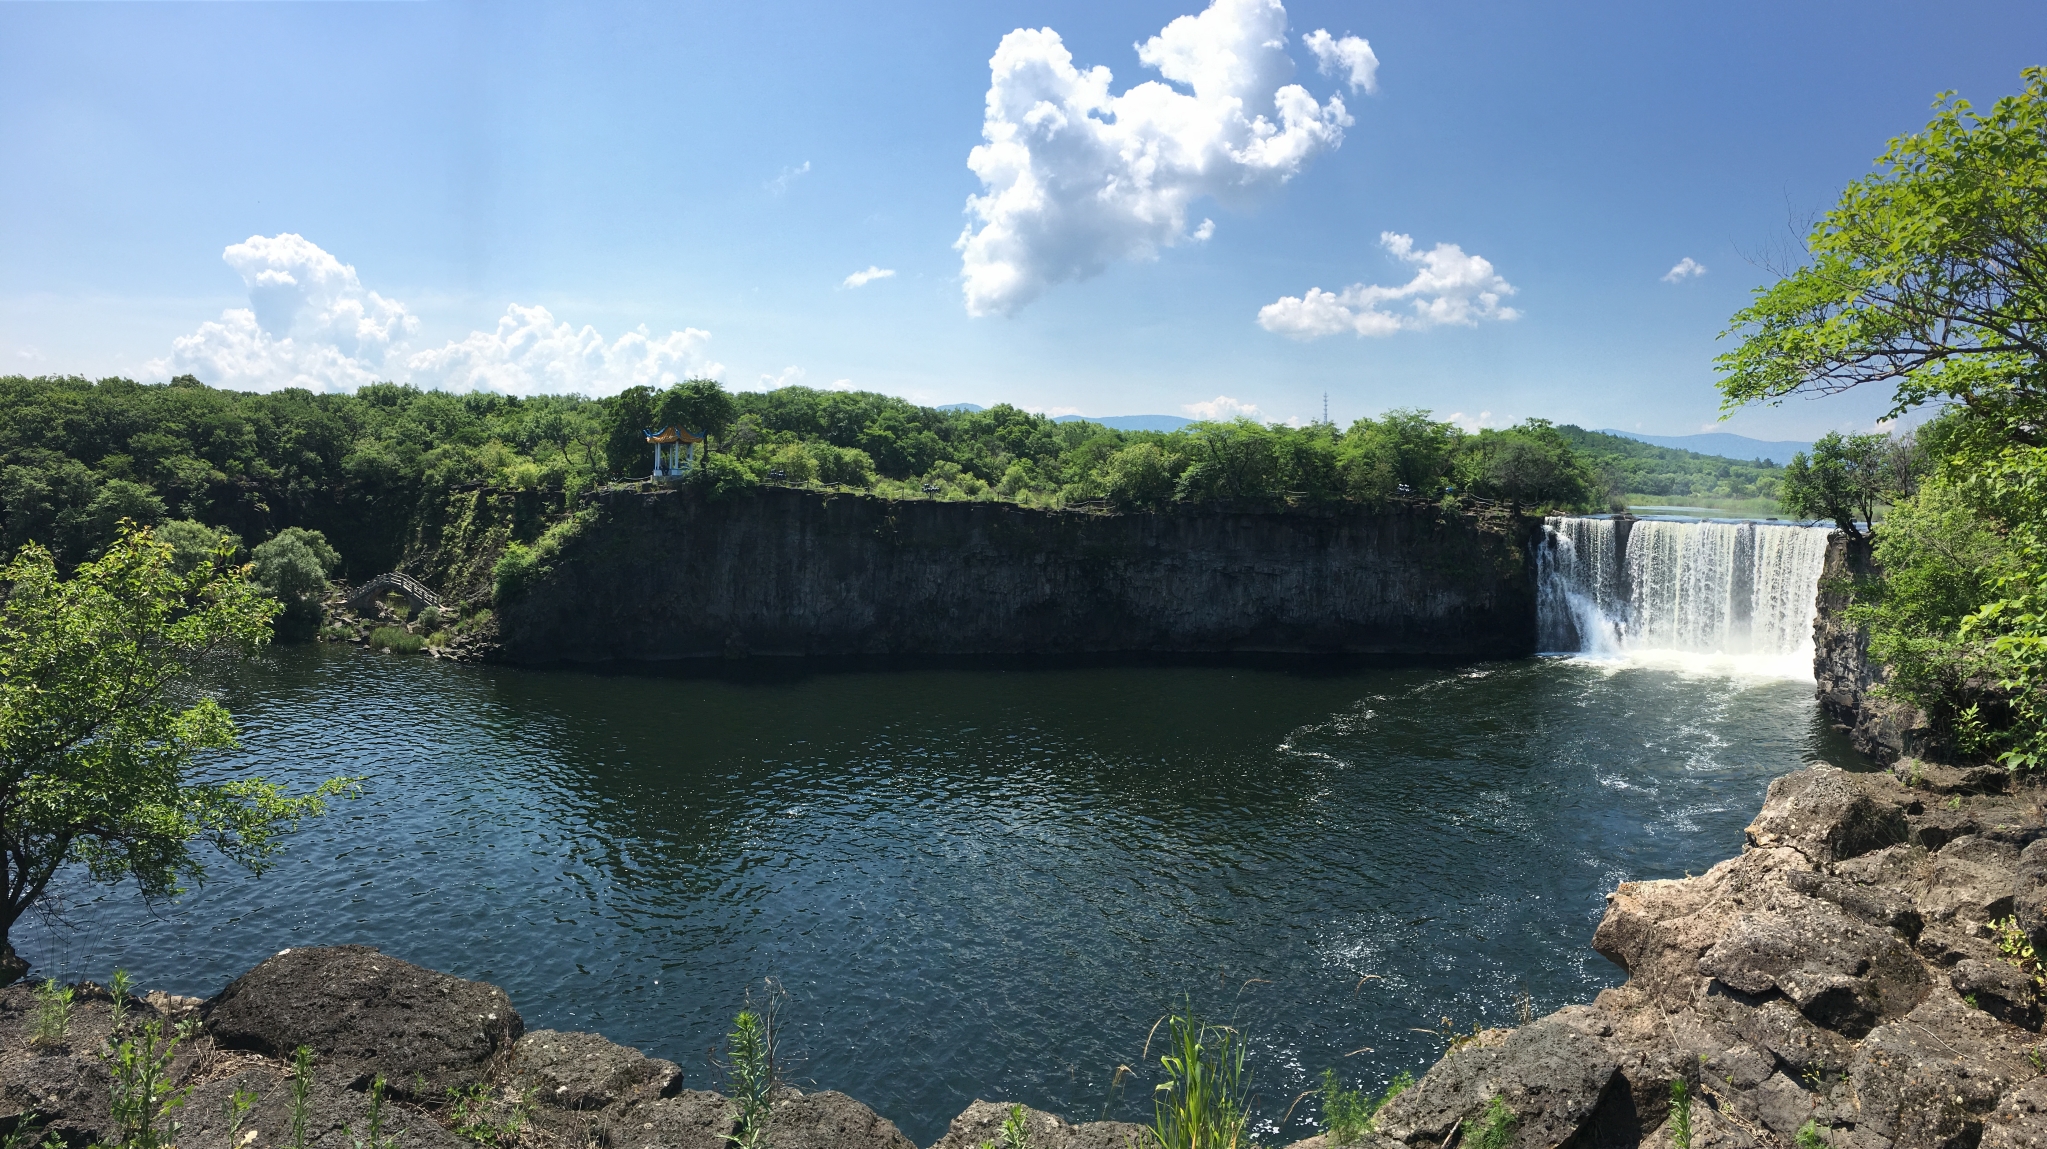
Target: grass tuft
[[395, 640], [1204, 1101]]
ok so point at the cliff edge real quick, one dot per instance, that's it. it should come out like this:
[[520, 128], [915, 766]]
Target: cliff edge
[[669, 574]]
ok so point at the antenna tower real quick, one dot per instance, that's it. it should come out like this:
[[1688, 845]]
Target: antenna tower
[[1325, 406]]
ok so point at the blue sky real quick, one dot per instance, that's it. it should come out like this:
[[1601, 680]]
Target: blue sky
[[714, 174]]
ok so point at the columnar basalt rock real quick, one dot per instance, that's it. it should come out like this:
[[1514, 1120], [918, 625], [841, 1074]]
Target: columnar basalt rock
[[673, 575]]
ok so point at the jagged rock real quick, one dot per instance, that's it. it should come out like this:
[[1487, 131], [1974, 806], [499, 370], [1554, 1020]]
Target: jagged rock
[[831, 1120], [1827, 815], [1876, 905], [2020, 1120], [1999, 989], [982, 1121], [1841, 974], [1926, 1081], [1553, 1076], [1970, 880], [1934, 778], [63, 1093], [366, 1013], [2029, 895], [336, 1117], [1945, 947], [691, 1119], [584, 1071]]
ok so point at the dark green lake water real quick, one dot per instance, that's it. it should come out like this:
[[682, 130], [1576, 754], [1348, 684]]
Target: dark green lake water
[[984, 882]]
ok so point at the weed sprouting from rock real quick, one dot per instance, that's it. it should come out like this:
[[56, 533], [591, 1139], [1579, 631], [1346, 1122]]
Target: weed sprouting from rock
[[301, 1086], [1810, 1136], [1495, 1126], [376, 1138], [143, 1100], [1016, 1131], [750, 1075], [473, 1121], [117, 988], [1680, 1114], [236, 1109], [52, 1021]]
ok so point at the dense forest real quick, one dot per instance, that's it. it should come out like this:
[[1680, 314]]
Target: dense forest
[[77, 456]]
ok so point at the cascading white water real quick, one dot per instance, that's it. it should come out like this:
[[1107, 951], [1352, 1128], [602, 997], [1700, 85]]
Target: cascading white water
[[1614, 587]]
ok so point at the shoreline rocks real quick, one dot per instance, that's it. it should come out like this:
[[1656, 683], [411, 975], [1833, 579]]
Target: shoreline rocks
[[1861, 973]]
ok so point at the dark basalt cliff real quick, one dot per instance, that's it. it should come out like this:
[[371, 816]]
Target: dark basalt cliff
[[670, 574]]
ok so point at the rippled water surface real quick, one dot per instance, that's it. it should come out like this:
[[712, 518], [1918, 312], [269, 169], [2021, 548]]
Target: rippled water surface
[[983, 882]]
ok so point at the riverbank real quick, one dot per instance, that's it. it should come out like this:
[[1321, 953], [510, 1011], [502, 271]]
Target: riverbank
[[1844, 972]]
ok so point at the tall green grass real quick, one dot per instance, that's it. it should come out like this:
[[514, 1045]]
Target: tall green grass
[[1204, 1102]]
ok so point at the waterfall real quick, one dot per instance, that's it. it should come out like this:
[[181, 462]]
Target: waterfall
[[1615, 587]]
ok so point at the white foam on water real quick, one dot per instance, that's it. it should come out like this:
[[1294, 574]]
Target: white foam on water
[[1697, 598]]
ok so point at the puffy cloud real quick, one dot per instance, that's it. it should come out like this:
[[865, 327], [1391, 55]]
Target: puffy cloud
[[1351, 58], [863, 278], [1449, 287], [1686, 268], [531, 354], [1220, 407], [310, 323], [789, 377], [1076, 178]]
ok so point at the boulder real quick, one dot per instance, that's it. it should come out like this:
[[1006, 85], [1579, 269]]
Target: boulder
[[1934, 778], [1827, 815], [982, 1122], [1841, 974], [583, 1071], [364, 1013], [1999, 989], [831, 1120], [2020, 1119], [691, 1119], [2029, 894], [1969, 881], [1927, 1080], [1553, 1077]]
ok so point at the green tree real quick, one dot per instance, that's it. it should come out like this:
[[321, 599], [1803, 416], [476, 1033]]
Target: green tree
[[1844, 479], [98, 733], [1931, 276], [1140, 477], [292, 567], [698, 405]]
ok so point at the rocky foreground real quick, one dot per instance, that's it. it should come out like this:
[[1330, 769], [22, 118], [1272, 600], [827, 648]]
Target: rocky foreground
[[1862, 974]]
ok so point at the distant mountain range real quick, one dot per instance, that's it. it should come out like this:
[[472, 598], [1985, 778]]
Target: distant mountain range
[[1130, 422], [1720, 443], [1119, 422]]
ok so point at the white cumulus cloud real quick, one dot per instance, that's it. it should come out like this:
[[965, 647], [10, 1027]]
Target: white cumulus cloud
[[1686, 268], [1449, 288], [863, 278], [1220, 407], [310, 323], [1350, 58], [532, 354], [1076, 178]]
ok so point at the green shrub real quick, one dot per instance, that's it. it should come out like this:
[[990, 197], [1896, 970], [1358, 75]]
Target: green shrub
[[1810, 1136], [1346, 1113], [1016, 1131], [395, 640], [720, 476]]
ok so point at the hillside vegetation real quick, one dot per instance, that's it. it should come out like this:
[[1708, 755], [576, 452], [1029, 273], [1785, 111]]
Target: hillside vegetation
[[355, 484], [1632, 468]]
